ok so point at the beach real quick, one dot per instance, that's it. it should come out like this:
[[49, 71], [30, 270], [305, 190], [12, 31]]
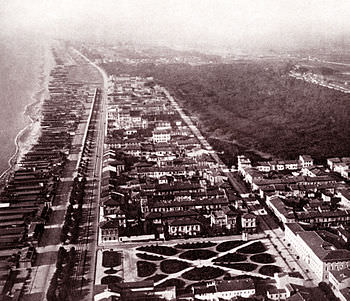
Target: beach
[[31, 113]]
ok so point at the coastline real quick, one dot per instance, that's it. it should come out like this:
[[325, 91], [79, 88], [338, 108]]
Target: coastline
[[28, 135]]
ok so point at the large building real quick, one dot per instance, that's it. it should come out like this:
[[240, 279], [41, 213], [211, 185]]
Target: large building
[[225, 290], [321, 256]]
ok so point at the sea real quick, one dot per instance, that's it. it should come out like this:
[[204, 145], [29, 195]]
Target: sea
[[25, 64]]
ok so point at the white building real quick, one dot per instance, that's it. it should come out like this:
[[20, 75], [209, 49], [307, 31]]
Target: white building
[[161, 136], [306, 160], [340, 283], [248, 222], [319, 255], [225, 290]]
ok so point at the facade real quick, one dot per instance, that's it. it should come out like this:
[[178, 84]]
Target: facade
[[339, 280], [109, 230], [185, 226], [138, 290], [277, 293], [320, 256], [225, 290], [223, 219], [280, 211], [248, 222], [161, 136], [305, 160]]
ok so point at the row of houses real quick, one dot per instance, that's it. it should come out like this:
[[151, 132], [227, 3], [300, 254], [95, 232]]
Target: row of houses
[[26, 200], [276, 165], [340, 166], [179, 192]]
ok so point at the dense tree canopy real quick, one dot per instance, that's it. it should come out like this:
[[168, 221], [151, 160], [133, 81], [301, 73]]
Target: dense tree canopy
[[259, 105]]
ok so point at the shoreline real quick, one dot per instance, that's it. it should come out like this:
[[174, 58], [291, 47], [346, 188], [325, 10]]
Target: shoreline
[[28, 135]]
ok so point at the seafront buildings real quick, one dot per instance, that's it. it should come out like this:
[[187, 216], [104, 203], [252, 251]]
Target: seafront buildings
[[34, 200]]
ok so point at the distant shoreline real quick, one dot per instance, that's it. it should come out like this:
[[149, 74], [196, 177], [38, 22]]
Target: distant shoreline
[[28, 135]]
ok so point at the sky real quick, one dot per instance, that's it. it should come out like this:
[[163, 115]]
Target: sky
[[240, 23]]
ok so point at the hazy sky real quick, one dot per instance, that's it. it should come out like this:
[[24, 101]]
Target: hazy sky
[[221, 22]]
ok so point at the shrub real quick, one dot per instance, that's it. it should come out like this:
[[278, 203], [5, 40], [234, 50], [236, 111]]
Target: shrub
[[156, 277], [178, 283], [263, 258], [111, 259], [256, 247], [327, 291], [197, 254], [269, 270], [231, 257], [203, 273], [242, 266], [110, 279], [162, 250], [145, 268], [171, 266], [149, 257], [229, 245]]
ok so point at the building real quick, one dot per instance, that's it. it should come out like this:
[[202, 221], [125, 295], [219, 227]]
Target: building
[[325, 218], [224, 218], [185, 226], [161, 136], [280, 210], [274, 293], [321, 256], [305, 160], [339, 280], [263, 166], [248, 222], [332, 161], [243, 162], [138, 290], [109, 230], [291, 164], [225, 290]]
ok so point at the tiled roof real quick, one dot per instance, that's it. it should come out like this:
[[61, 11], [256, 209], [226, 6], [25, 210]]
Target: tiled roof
[[170, 214], [235, 285], [198, 202], [184, 221], [323, 250], [113, 223]]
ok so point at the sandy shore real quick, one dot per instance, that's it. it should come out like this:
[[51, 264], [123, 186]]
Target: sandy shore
[[29, 134]]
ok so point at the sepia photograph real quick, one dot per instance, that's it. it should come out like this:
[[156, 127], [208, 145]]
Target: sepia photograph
[[174, 150]]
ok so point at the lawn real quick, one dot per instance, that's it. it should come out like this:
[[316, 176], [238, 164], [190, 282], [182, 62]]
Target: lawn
[[269, 270], [111, 259], [110, 280], [254, 248], [203, 273], [149, 257], [145, 268], [242, 266], [229, 245], [197, 254], [172, 282], [171, 266], [161, 250], [263, 258], [156, 277], [231, 257]]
